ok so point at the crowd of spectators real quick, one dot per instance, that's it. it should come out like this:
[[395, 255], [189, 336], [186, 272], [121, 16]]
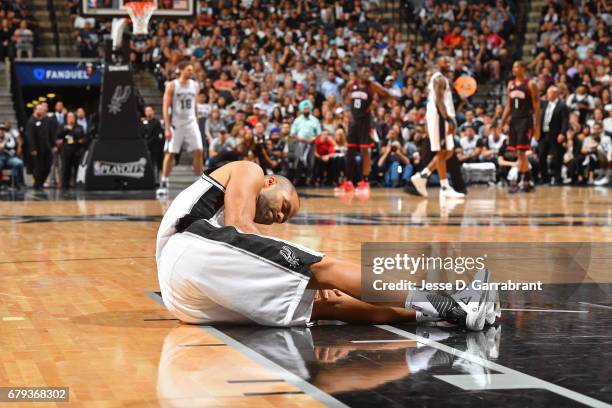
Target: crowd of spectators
[[49, 147], [573, 55], [18, 30], [258, 61]]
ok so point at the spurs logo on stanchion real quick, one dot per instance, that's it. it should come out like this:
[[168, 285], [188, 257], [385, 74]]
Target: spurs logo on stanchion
[[120, 96], [290, 257]]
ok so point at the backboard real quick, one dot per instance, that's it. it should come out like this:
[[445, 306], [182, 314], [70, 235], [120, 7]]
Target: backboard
[[113, 8]]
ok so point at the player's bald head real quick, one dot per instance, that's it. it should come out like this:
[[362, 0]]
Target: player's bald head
[[444, 63], [284, 183]]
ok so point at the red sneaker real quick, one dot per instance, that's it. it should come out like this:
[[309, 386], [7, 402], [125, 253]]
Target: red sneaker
[[363, 186], [348, 186], [340, 187]]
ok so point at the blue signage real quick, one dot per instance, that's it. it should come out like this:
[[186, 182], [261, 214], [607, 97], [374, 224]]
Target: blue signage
[[70, 73]]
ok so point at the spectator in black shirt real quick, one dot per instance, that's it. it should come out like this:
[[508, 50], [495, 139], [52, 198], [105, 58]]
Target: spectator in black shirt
[[153, 134], [70, 138], [38, 136]]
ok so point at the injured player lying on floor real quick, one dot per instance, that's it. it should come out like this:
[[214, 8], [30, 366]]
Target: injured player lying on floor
[[214, 266]]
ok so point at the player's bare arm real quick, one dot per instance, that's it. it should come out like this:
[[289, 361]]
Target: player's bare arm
[[167, 101], [244, 182], [507, 109], [346, 92], [384, 95], [440, 87], [195, 106], [536, 109]]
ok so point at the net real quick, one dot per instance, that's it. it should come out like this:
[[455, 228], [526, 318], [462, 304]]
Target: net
[[140, 13]]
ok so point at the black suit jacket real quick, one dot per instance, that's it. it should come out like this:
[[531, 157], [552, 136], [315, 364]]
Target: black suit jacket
[[38, 133], [559, 121]]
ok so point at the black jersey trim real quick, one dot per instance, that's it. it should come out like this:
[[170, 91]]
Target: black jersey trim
[[205, 208], [211, 180], [280, 253]]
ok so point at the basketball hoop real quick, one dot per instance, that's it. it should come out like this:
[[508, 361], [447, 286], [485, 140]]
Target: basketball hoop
[[140, 13]]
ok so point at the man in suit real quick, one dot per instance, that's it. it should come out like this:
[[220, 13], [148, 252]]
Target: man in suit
[[38, 135], [60, 114], [57, 119], [554, 124], [153, 133], [81, 120]]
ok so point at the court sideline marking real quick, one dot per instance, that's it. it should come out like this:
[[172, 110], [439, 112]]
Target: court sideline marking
[[547, 310], [286, 375], [596, 305], [518, 377]]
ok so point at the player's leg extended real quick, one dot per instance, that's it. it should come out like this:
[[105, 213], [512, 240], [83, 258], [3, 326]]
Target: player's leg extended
[[366, 166], [523, 163], [197, 162], [167, 165], [333, 273], [340, 306], [524, 171], [366, 163], [440, 159], [446, 191], [345, 276]]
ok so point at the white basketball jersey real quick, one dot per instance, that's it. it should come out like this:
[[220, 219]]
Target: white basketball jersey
[[183, 102], [447, 98]]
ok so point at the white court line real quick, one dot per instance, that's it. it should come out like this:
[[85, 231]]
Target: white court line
[[596, 305], [381, 341], [522, 377], [546, 310]]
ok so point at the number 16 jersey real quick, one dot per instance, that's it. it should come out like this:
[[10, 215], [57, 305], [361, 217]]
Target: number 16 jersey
[[183, 102]]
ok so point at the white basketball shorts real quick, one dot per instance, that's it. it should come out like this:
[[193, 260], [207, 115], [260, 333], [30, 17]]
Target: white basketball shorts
[[437, 129], [211, 274], [184, 135]]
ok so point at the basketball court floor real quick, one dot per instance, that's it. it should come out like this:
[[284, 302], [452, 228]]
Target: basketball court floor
[[81, 309]]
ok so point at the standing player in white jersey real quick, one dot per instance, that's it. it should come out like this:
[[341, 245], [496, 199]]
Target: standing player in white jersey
[[182, 130], [441, 126]]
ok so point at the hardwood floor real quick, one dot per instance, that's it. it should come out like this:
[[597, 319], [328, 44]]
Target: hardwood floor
[[73, 277]]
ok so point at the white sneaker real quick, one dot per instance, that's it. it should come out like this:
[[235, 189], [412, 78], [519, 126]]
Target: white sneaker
[[493, 307], [449, 192], [420, 184], [602, 181], [475, 303], [163, 189]]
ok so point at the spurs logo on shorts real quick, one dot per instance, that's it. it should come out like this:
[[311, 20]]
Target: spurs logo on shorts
[[289, 256]]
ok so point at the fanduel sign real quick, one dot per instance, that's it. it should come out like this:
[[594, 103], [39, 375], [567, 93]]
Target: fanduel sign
[[32, 73], [134, 169]]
